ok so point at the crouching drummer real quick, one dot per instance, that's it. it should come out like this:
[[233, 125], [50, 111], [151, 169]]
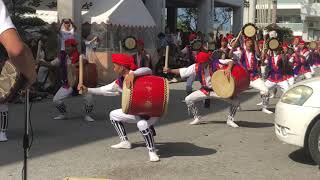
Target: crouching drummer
[[204, 69], [125, 68]]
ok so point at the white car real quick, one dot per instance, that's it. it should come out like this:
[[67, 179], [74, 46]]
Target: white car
[[297, 117]]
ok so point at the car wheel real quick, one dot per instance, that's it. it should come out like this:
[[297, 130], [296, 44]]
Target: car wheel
[[314, 142]]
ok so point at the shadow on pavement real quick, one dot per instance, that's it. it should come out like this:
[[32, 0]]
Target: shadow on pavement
[[245, 124], [300, 156], [258, 109], [248, 124], [171, 149], [51, 136]]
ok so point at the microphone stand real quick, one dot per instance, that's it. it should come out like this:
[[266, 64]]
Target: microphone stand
[[26, 135]]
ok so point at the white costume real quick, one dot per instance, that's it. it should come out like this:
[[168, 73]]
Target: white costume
[[6, 24], [117, 116], [65, 35], [64, 92], [306, 54], [272, 82], [200, 95], [249, 61]]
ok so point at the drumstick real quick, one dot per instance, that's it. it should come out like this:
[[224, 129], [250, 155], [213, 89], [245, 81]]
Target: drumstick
[[80, 73], [167, 57], [237, 39]]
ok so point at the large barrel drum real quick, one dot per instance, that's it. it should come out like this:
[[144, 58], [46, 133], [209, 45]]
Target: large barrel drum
[[149, 96], [227, 88], [90, 75]]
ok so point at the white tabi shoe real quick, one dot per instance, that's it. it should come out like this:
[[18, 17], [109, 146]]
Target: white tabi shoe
[[259, 104], [154, 157], [122, 145], [3, 137], [195, 121], [60, 117], [265, 110], [231, 123], [88, 118]]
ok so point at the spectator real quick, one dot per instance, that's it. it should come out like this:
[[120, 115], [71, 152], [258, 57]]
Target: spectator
[[142, 58], [91, 43]]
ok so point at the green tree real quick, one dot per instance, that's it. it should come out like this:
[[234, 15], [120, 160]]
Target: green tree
[[284, 34], [222, 17], [18, 9], [187, 19]]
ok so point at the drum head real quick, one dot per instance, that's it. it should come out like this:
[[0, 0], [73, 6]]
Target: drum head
[[273, 44], [196, 45], [249, 30], [10, 82], [313, 45], [221, 85], [130, 43], [126, 98]]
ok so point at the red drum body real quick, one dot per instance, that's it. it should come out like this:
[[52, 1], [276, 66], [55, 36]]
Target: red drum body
[[149, 96], [239, 81]]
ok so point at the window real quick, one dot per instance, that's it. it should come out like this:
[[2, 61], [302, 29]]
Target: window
[[289, 19]]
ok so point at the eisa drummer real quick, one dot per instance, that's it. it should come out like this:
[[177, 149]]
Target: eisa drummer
[[66, 90], [277, 74], [247, 58], [301, 61], [142, 58], [204, 69], [125, 67]]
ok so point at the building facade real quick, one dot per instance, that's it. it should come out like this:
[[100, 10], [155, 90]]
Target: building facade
[[310, 16], [301, 16], [162, 9]]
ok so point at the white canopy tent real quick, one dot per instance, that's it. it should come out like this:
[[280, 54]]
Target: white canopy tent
[[119, 12], [113, 20]]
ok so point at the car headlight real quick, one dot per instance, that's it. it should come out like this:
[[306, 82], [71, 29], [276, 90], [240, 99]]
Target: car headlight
[[297, 95]]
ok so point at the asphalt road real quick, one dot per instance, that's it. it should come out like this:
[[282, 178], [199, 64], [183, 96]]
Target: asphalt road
[[211, 150]]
